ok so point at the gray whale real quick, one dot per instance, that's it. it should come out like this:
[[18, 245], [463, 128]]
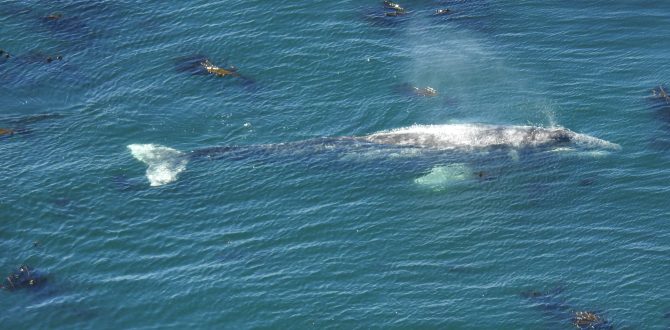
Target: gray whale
[[164, 164]]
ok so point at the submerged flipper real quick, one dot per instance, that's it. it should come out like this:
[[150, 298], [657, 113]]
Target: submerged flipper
[[444, 176]]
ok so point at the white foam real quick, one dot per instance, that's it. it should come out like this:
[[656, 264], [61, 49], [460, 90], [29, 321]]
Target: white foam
[[381, 153], [595, 153], [572, 152], [444, 176], [163, 164], [563, 150]]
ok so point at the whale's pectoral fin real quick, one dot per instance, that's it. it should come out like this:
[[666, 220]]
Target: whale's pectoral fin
[[442, 177], [163, 164]]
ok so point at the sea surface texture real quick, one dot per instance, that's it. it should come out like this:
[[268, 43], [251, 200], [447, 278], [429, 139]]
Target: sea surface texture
[[320, 188]]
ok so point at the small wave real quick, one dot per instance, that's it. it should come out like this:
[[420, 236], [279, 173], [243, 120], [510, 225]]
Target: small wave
[[572, 152], [163, 164]]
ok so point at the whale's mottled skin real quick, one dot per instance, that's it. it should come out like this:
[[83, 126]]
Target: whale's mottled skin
[[164, 164], [481, 136]]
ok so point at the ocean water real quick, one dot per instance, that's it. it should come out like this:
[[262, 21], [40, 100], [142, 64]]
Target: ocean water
[[294, 227]]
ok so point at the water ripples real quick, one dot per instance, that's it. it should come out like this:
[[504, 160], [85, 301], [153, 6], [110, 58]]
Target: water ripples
[[321, 236]]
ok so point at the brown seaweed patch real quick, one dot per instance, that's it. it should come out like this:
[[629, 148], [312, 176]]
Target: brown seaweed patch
[[411, 90], [660, 103], [4, 55], [218, 71], [588, 320], [397, 9], [553, 305], [386, 18], [25, 120], [441, 12], [23, 278], [202, 65], [660, 93], [39, 57], [69, 27], [53, 16]]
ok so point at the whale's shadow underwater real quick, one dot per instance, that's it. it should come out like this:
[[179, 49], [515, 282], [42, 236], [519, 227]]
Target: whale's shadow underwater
[[452, 143]]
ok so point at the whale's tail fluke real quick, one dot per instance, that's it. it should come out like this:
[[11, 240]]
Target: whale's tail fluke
[[163, 164]]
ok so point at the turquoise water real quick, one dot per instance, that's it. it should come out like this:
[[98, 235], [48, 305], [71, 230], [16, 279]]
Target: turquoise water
[[314, 235]]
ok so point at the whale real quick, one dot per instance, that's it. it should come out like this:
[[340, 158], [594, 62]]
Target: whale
[[164, 164]]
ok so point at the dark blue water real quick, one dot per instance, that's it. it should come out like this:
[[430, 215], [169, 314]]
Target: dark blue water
[[332, 233]]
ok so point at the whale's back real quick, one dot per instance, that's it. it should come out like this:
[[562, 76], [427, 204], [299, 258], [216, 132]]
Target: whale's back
[[482, 136]]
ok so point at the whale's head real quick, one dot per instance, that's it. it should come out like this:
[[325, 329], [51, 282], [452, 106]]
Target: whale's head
[[587, 142], [562, 136]]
